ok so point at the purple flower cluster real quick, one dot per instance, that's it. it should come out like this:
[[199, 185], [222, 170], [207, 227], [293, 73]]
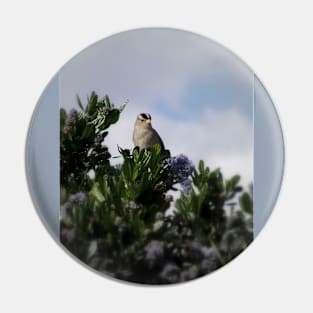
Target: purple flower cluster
[[73, 199], [186, 184], [181, 167], [154, 250], [77, 197], [170, 273], [69, 122]]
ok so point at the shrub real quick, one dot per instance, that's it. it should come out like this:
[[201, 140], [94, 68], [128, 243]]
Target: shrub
[[121, 220]]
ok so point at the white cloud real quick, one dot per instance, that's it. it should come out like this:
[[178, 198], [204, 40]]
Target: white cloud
[[142, 64], [221, 139], [147, 65]]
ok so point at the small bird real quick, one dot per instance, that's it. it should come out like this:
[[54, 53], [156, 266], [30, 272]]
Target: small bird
[[144, 136]]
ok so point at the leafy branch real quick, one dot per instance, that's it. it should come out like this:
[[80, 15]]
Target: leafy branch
[[124, 221]]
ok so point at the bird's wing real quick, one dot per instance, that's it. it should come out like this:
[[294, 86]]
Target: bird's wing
[[158, 139]]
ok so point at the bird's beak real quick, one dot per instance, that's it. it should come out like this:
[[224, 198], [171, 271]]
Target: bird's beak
[[148, 122]]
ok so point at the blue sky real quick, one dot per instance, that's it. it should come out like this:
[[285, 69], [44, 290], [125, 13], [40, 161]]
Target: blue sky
[[199, 94]]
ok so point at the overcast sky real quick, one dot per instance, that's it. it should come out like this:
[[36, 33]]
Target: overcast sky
[[199, 94]]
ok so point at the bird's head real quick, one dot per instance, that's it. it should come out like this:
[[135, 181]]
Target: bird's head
[[144, 119]]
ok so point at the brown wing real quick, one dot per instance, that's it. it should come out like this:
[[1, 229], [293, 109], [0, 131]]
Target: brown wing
[[157, 139]]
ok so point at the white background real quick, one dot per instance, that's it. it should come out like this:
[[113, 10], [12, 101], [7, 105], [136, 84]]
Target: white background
[[274, 38]]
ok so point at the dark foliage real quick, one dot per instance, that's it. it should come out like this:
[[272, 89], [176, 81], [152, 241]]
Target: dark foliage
[[121, 220]]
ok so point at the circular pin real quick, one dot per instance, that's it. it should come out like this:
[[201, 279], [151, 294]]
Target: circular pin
[[155, 156]]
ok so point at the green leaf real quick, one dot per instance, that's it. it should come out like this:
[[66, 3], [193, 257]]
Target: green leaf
[[127, 169], [62, 194], [88, 131], [232, 183], [92, 103], [122, 107], [95, 192], [63, 116], [111, 118], [203, 194], [201, 167], [134, 173], [79, 103], [246, 203], [107, 100]]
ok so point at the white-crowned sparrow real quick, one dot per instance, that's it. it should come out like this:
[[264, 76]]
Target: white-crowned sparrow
[[144, 136]]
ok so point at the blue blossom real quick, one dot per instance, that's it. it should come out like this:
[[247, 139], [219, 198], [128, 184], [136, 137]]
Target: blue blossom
[[67, 206], [67, 129], [77, 197], [190, 273], [180, 166], [69, 122], [154, 250], [186, 184], [170, 273], [72, 115]]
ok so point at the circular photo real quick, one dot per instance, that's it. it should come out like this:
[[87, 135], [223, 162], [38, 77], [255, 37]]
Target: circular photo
[[155, 156]]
